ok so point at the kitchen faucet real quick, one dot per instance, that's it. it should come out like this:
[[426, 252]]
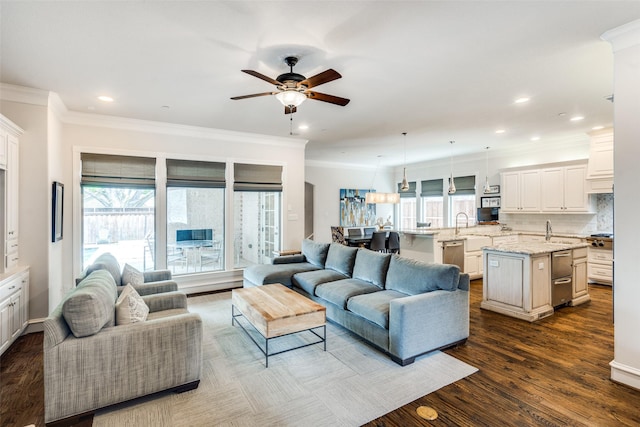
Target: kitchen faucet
[[547, 236], [466, 216]]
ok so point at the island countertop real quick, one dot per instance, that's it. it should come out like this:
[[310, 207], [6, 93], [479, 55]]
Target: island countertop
[[534, 248]]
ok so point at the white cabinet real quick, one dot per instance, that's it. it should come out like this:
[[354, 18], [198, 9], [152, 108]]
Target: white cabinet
[[14, 312], [10, 181], [521, 191], [517, 285], [600, 170], [3, 148], [564, 189], [473, 264], [600, 266], [580, 283]]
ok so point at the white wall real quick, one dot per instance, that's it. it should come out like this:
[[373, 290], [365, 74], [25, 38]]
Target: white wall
[[31, 114], [625, 40]]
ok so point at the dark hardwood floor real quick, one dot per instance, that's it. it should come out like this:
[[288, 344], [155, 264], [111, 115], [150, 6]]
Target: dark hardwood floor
[[554, 372]]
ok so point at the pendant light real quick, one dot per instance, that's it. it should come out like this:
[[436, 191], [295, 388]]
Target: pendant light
[[452, 185], [405, 183], [486, 178], [374, 197]]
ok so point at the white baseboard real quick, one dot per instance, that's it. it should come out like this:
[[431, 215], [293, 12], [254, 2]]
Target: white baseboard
[[625, 374]]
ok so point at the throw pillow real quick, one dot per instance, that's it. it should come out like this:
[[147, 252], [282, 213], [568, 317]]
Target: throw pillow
[[130, 307], [131, 276]]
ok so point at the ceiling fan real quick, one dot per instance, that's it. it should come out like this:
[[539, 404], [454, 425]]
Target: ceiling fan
[[293, 88]]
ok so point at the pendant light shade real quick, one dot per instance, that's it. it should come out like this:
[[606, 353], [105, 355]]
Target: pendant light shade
[[376, 197], [485, 190], [452, 185], [405, 184]]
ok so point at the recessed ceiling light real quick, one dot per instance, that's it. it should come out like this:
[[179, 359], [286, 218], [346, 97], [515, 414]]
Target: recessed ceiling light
[[105, 98], [535, 138], [522, 100], [597, 127], [303, 127], [576, 118], [500, 131]]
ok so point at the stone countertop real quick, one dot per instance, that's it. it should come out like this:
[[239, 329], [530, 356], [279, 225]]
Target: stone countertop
[[428, 233], [534, 248]]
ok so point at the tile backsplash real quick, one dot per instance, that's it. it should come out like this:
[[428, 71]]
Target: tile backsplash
[[582, 224]]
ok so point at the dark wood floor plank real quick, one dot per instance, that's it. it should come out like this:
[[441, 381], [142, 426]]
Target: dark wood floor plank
[[554, 372]]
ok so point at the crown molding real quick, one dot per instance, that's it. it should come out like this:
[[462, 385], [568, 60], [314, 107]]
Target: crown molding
[[53, 101], [624, 36], [24, 95]]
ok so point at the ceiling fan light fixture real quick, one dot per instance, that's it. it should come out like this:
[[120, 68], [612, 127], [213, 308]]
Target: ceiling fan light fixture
[[291, 97]]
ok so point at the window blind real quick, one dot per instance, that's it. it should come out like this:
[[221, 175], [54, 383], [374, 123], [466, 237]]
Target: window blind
[[411, 192], [431, 188], [191, 173], [121, 171], [465, 185], [256, 177]]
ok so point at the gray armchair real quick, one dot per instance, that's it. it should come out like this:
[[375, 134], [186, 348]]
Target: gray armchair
[[91, 363], [155, 281]]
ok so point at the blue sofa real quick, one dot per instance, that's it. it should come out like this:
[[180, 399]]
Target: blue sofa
[[404, 307]]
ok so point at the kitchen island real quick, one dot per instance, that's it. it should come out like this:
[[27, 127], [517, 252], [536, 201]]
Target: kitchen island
[[517, 279]]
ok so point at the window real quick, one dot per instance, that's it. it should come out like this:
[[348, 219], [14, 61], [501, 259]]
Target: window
[[432, 201], [463, 200], [257, 213], [118, 208], [408, 207], [195, 216]]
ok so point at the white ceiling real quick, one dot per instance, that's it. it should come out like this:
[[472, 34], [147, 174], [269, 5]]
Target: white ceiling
[[438, 70]]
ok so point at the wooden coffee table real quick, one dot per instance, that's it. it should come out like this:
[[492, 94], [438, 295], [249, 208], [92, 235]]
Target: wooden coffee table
[[275, 311]]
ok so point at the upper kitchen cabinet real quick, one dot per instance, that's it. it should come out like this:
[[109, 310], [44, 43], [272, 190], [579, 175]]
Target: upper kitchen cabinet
[[564, 189], [521, 191], [9, 184], [600, 169]]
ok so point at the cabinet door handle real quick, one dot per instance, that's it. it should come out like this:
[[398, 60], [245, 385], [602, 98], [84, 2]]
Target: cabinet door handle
[[12, 287]]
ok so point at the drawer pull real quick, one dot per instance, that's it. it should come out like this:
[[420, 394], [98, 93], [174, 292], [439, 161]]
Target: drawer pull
[[12, 287]]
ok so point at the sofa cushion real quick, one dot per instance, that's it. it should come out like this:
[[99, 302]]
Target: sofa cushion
[[263, 274], [314, 252], [308, 280], [341, 258], [131, 276], [374, 306], [371, 267], [130, 307], [91, 305], [415, 277], [108, 262], [339, 292]]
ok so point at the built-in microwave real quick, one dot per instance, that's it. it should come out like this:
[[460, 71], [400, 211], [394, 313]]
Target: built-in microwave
[[488, 214]]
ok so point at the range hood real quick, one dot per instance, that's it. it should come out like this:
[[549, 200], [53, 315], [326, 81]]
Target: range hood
[[600, 166]]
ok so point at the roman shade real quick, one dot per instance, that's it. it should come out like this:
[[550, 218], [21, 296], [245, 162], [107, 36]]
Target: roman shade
[[249, 177], [192, 173], [411, 192], [120, 171], [431, 188], [465, 185]]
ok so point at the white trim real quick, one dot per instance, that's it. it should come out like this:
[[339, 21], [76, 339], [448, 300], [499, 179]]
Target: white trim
[[624, 36], [25, 95], [625, 374], [10, 126]]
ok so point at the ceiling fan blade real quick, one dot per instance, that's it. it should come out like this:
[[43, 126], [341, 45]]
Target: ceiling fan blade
[[262, 77], [327, 98], [322, 78], [290, 109], [253, 95]]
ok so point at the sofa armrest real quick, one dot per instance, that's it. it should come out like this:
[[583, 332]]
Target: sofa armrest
[[429, 321], [155, 287], [120, 363], [157, 275], [289, 259], [165, 301]]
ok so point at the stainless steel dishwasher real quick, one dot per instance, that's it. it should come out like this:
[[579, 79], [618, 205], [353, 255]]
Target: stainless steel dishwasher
[[453, 253]]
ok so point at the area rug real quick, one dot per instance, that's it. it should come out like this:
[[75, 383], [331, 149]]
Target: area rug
[[348, 385]]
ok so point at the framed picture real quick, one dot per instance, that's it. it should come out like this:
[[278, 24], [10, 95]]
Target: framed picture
[[57, 199], [490, 202], [493, 189]]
